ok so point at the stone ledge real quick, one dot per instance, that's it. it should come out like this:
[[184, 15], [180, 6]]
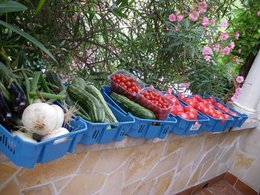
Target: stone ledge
[[131, 142], [250, 123]]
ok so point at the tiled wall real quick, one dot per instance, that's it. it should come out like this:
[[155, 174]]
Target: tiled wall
[[246, 164], [167, 166]]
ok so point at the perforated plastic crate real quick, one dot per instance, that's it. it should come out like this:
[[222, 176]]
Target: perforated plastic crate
[[143, 128], [26, 154], [108, 132], [238, 120]]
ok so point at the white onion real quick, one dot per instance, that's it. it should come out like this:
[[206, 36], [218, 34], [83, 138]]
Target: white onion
[[24, 136], [60, 116], [56, 133], [39, 118]]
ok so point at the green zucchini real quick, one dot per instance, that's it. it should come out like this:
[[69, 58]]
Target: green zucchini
[[88, 102], [80, 111], [80, 82], [132, 107], [95, 92]]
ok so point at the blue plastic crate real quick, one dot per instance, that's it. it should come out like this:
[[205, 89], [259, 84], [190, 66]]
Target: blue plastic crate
[[108, 132], [238, 120], [143, 128], [188, 127], [27, 154]]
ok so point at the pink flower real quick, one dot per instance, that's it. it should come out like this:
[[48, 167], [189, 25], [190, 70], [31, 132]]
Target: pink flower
[[239, 51], [236, 34], [217, 47], [238, 90], [258, 14], [233, 98], [207, 50], [194, 16], [239, 79], [223, 36], [212, 21], [205, 21], [224, 24], [207, 58], [172, 18], [180, 18], [202, 7], [176, 29], [225, 51], [232, 44]]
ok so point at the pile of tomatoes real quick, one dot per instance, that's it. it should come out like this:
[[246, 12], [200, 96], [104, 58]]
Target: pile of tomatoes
[[206, 106], [186, 112], [127, 83], [225, 109], [156, 98]]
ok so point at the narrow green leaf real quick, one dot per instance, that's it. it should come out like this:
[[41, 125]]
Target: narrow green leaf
[[39, 6], [4, 69], [28, 37], [11, 6]]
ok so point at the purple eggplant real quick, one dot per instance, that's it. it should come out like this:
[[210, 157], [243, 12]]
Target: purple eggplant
[[18, 103], [6, 117]]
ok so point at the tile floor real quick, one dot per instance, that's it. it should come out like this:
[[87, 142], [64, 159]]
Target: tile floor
[[222, 187]]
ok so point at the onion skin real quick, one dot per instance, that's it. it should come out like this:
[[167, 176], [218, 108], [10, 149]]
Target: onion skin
[[39, 118], [56, 133], [24, 136], [60, 116]]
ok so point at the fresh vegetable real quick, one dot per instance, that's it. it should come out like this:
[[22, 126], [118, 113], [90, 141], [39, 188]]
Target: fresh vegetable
[[6, 117], [88, 102], [225, 109], [95, 92], [156, 99], [205, 106], [128, 83], [18, 98], [79, 82], [132, 107], [60, 116], [79, 111], [24, 136], [40, 118], [57, 132]]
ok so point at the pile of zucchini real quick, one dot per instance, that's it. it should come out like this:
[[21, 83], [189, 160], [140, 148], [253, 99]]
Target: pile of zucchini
[[89, 102]]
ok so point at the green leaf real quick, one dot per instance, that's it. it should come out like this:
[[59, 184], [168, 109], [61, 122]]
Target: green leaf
[[7, 71], [11, 6], [39, 6], [28, 37]]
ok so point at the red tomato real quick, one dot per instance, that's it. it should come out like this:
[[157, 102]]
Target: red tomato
[[184, 115], [218, 112], [233, 113], [210, 106], [205, 110], [182, 96], [179, 108], [197, 97], [192, 115], [226, 116], [219, 105], [190, 109], [212, 100]]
